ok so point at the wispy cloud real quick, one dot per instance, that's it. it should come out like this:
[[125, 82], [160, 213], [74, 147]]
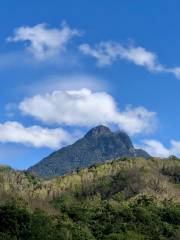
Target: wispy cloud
[[44, 42], [157, 149], [86, 108], [66, 82], [36, 136], [107, 52]]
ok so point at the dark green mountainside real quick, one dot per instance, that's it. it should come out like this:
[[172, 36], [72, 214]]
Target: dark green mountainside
[[98, 145]]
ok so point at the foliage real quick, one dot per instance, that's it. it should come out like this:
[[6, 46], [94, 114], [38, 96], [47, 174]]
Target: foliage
[[124, 199], [143, 217]]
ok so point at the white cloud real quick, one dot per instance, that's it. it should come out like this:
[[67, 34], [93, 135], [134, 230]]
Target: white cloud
[[14, 132], [175, 71], [107, 52], [86, 108], [157, 149], [44, 42], [175, 147]]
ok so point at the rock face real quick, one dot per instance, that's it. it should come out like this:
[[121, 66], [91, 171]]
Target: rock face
[[98, 145]]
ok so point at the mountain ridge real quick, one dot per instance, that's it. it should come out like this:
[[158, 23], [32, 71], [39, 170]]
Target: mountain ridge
[[98, 145]]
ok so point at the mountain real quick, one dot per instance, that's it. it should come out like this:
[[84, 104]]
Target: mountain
[[98, 145]]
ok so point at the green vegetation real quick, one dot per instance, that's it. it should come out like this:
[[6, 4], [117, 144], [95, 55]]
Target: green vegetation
[[93, 218], [127, 199]]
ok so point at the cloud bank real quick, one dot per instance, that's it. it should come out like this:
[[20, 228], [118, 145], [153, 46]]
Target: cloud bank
[[36, 136], [86, 108], [157, 149]]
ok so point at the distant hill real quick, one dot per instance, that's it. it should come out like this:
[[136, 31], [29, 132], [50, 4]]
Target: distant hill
[[98, 145]]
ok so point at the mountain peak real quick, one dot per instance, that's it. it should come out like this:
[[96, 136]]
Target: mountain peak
[[98, 145], [97, 131]]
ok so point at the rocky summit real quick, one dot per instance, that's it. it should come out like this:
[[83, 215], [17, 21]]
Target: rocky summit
[[98, 145]]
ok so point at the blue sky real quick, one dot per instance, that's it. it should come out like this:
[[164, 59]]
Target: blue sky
[[66, 66]]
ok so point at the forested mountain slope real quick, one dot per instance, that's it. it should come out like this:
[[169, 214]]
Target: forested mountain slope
[[130, 176], [128, 199]]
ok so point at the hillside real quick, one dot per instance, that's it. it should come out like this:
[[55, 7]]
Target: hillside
[[130, 198], [131, 176], [98, 145]]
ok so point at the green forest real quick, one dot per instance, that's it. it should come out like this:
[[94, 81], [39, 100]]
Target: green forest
[[126, 199]]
